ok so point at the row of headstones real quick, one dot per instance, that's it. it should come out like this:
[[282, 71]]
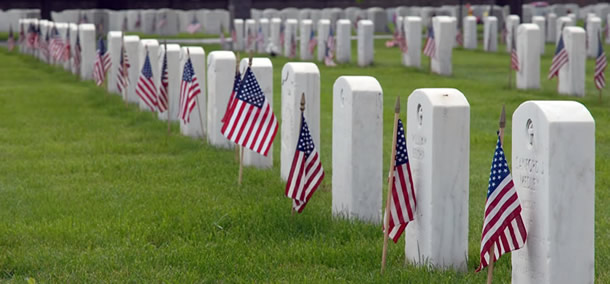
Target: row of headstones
[[10, 18], [558, 201], [148, 20]]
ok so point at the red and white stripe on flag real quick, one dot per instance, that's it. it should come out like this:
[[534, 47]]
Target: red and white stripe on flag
[[403, 205], [189, 90], [600, 66], [252, 123], [503, 225], [146, 89], [163, 89], [514, 59], [306, 172], [559, 59], [123, 74], [101, 66]]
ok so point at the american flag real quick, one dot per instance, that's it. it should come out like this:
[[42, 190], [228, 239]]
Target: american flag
[[65, 51], [600, 65], [56, 45], [560, 58], [83, 19], [459, 38], [260, 38], [250, 40], [189, 90], [123, 74], [138, 23], [223, 40], [252, 123], [306, 172], [31, 37], [43, 44], [76, 60], [102, 63], [164, 88], [402, 42], [293, 46], [402, 207], [11, 39], [312, 42], [503, 225], [514, 58], [232, 101], [330, 47], [163, 22], [430, 47], [194, 26], [146, 89]]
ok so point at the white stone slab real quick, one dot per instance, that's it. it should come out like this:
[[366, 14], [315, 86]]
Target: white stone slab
[[365, 49], [378, 17], [115, 41], [171, 22], [344, 41], [174, 79], [117, 20], [315, 17], [131, 49], [572, 74], [88, 45], [264, 27], [149, 25], [274, 45], [238, 24], [541, 23], [551, 25], [263, 71], [512, 22], [323, 32], [134, 20], [305, 34], [62, 28], [221, 74], [444, 36], [490, 34], [470, 32], [357, 148], [560, 24], [593, 31], [528, 52], [153, 49], [298, 78], [271, 13], [250, 35], [438, 135], [290, 35], [413, 34], [44, 26], [197, 125], [553, 161]]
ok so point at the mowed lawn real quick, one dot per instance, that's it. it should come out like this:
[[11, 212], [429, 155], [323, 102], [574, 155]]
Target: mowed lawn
[[92, 191]]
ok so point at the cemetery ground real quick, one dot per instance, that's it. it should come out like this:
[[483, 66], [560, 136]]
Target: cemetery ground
[[94, 191]]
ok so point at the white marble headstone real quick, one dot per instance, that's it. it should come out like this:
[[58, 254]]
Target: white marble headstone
[[290, 35], [344, 41], [306, 30], [221, 74], [250, 35], [174, 79], [470, 32], [239, 45], [413, 34], [490, 34], [153, 50], [528, 52], [561, 23], [365, 49], [323, 32], [438, 139], [263, 24], [593, 31], [357, 148], [572, 74], [298, 78], [131, 49], [115, 41], [541, 23], [263, 71], [88, 49], [553, 162], [512, 22], [444, 36], [197, 124], [551, 25]]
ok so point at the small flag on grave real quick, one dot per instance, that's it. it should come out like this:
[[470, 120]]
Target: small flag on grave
[[459, 38], [559, 59], [164, 88], [146, 89], [260, 38], [293, 47], [194, 26], [312, 42], [123, 74], [43, 45], [189, 90], [306, 172], [163, 22], [102, 63], [503, 227], [11, 39], [252, 124], [600, 65], [430, 47], [56, 44], [65, 51], [329, 52], [403, 204], [514, 58]]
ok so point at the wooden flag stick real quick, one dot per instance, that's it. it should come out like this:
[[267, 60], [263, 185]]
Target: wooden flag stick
[[236, 72], [188, 53], [386, 219], [492, 250], [241, 159], [169, 120]]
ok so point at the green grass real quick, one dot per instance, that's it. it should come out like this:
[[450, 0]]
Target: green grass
[[92, 191]]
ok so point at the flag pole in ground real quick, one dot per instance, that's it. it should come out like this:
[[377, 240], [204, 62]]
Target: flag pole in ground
[[492, 250], [236, 72], [188, 53], [386, 222], [241, 158], [169, 121]]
